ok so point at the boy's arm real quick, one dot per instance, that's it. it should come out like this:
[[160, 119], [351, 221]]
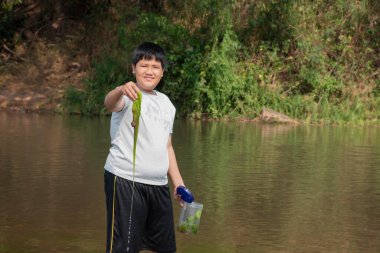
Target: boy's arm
[[114, 101], [174, 174]]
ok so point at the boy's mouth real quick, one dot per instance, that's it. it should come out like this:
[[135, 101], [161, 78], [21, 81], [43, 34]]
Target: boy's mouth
[[148, 78]]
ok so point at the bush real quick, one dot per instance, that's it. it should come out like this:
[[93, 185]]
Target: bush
[[312, 60]]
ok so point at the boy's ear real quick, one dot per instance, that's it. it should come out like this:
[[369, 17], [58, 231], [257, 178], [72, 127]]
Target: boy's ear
[[133, 69]]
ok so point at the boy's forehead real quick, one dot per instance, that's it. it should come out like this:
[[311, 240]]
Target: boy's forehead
[[151, 60]]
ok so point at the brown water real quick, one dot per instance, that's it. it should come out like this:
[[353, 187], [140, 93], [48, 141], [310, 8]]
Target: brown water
[[264, 188]]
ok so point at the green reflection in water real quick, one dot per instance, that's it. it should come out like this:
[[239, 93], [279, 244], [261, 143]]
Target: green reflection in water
[[265, 188]]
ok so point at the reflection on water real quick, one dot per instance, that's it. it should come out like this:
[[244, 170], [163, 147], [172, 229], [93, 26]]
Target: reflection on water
[[265, 188], [51, 187]]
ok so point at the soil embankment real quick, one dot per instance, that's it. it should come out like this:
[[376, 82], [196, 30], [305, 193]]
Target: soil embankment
[[43, 57], [39, 82]]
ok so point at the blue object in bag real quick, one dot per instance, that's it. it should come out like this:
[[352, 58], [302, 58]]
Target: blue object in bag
[[185, 194]]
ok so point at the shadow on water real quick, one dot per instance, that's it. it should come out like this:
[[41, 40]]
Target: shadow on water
[[265, 188]]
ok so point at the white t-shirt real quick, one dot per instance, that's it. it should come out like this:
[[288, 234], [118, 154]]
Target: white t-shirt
[[156, 125]]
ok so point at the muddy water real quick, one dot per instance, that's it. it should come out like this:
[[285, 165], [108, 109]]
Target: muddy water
[[264, 188]]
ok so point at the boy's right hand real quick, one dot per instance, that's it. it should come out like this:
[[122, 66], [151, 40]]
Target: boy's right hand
[[130, 90]]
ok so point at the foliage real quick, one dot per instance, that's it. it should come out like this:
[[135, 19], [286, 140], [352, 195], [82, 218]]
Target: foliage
[[74, 98], [8, 5], [313, 60], [220, 82], [7, 20]]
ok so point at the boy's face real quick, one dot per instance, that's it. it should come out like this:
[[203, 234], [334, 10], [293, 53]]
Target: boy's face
[[148, 73]]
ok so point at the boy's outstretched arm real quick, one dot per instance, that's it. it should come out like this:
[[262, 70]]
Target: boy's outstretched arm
[[174, 174], [114, 101]]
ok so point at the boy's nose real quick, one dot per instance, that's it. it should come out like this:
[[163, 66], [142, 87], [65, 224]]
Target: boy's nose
[[149, 70]]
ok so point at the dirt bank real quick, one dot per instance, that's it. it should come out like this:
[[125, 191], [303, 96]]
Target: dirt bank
[[35, 79], [44, 51]]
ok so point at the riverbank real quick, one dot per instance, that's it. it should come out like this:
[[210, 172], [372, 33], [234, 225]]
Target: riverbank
[[34, 76], [64, 58], [20, 94], [26, 88]]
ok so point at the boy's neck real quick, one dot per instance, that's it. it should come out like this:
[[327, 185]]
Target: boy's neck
[[152, 92]]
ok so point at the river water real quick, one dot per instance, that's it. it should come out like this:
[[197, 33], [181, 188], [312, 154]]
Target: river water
[[265, 188]]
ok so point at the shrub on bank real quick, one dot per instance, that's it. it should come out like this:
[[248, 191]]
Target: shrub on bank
[[311, 60]]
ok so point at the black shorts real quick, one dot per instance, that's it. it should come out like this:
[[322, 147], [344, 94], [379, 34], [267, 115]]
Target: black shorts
[[152, 225]]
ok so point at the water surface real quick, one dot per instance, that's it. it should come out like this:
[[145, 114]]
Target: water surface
[[265, 188]]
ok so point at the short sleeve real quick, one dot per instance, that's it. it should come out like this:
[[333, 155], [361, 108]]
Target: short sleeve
[[172, 119], [127, 103]]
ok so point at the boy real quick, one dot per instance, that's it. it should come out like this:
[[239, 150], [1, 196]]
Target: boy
[[151, 225]]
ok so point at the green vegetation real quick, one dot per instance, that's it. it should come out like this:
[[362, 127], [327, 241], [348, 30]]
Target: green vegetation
[[136, 111], [191, 224], [317, 61]]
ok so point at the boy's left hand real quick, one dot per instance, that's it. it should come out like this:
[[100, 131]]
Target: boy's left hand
[[178, 197]]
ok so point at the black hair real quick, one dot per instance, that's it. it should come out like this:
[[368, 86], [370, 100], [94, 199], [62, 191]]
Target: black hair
[[149, 51]]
